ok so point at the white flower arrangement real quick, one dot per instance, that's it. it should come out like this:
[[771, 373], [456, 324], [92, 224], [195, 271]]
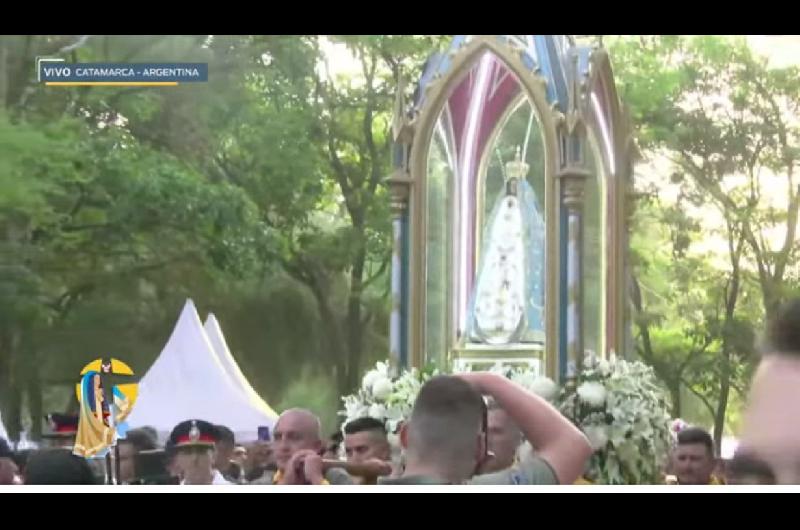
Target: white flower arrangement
[[383, 398], [624, 413], [618, 404], [528, 378], [592, 393]]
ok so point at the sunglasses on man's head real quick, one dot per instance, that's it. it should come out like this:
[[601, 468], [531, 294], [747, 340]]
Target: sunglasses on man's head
[[487, 454]]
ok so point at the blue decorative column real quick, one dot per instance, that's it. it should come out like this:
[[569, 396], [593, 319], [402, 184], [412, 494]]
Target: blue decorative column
[[399, 186], [400, 190], [573, 177]]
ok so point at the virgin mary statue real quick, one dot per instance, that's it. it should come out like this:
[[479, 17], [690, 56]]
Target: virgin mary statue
[[507, 303]]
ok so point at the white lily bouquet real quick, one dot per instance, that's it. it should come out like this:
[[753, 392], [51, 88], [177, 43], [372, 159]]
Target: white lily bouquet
[[526, 377], [391, 400], [624, 412], [381, 397]]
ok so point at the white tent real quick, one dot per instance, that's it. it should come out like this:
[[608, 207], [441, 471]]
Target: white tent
[[188, 381], [220, 345]]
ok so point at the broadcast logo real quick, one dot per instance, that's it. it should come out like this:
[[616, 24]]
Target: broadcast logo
[[57, 72], [102, 411]]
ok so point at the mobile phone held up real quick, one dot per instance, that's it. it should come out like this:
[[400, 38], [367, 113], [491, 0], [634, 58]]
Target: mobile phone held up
[[264, 434]]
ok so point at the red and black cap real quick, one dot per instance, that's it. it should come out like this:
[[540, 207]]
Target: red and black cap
[[193, 433], [61, 425]]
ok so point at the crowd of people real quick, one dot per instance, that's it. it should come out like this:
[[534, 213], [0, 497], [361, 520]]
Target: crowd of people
[[464, 429]]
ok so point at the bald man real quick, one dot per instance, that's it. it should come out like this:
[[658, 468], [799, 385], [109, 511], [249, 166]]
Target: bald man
[[297, 445]]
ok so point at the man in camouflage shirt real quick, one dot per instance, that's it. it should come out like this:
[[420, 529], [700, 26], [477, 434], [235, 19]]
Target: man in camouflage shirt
[[446, 439]]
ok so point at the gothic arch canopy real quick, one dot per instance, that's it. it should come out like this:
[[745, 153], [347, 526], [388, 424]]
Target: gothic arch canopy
[[466, 101]]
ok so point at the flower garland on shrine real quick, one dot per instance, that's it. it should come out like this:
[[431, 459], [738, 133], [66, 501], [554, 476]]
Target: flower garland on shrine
[[618, 404]]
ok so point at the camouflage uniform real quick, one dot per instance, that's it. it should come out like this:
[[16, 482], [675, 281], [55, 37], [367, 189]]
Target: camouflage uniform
[[531, 471]]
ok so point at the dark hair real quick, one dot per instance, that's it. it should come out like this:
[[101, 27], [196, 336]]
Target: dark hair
[[224, 434], [140, 439], [5, 450], [337, 437], [58, 466], [21, 459], [365, 424], [151, 431], [783, 331], [447, 416], [696, 435], [445, 395], [169, 448]]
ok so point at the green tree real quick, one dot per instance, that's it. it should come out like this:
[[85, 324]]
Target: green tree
[[354, 119], [316, 174], [122, 202], [701, 104], [91, 209], [728, 122], [694, 317]]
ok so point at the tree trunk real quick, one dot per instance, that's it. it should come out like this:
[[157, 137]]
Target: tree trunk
[[725, 373], [722, 406], [3, 71], [731, 299], [5, 374], [772, 300], [675, 394], [355, 328], [13, 422], [12, 413], [644, 329], [667, 376], [35, 404], [335, 344]]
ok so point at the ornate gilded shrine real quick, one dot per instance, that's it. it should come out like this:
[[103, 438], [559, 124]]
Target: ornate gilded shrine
[[511, 170]]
